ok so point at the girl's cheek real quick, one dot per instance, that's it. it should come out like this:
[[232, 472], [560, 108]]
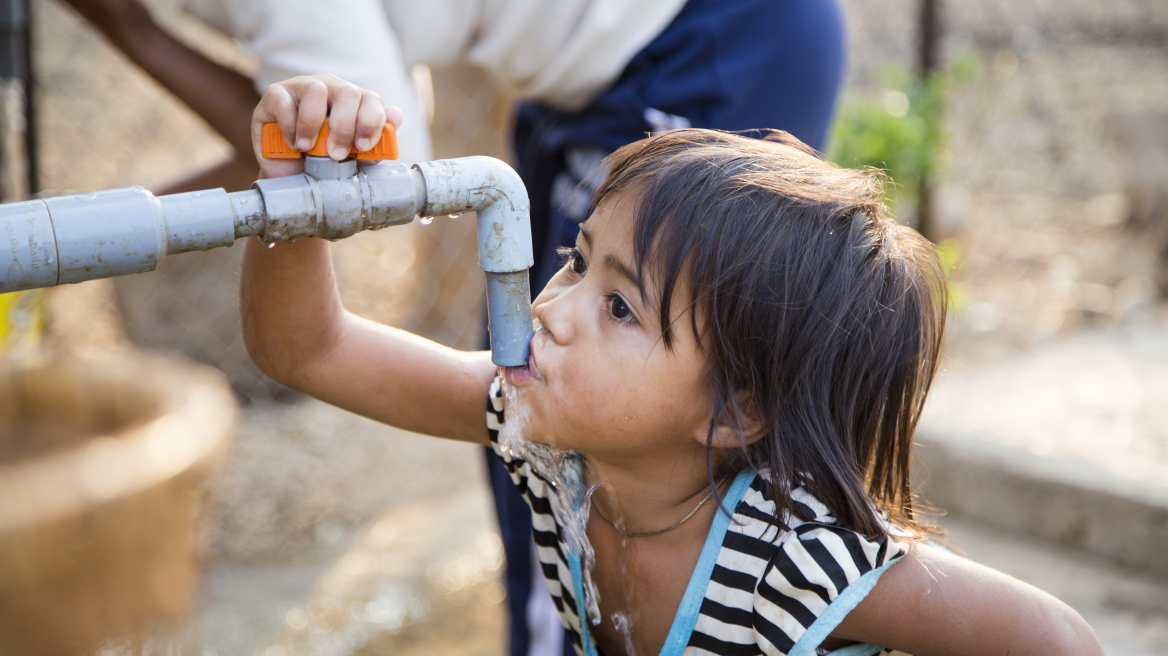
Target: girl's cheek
[[578, 399], [587, 395]]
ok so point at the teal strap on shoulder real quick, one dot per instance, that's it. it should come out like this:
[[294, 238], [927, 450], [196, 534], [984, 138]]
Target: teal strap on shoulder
[[578, 587], [836, 612], [695, 592]]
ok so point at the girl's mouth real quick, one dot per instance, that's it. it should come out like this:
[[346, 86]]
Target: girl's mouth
[[522, 375]]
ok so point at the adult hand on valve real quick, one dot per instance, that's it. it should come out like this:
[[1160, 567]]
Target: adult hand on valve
[[300, 106]]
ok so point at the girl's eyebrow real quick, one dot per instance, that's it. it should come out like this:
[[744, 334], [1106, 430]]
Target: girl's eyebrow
[[613, 262]]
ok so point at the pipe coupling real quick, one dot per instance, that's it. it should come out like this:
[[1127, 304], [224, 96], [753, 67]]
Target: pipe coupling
[[337, 206]]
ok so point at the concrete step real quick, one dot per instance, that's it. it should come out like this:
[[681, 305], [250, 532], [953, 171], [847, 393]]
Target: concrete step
[[1069, 502], [1067, 443]]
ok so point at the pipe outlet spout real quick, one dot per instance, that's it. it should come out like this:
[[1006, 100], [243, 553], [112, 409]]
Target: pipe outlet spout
[[494, 190]]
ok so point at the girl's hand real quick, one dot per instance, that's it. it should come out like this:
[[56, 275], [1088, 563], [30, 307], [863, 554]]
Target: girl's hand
[[300, 106]]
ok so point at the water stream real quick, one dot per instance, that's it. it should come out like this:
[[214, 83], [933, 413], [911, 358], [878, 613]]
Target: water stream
[[623, 622], [565, 472]]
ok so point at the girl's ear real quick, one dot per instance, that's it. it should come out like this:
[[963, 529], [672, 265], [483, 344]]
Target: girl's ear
[[737, 425]]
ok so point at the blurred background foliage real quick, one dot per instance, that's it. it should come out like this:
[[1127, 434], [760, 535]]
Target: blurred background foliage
[[899, 127]]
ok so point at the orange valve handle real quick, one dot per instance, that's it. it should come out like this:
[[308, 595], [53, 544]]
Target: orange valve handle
[[274, 146]]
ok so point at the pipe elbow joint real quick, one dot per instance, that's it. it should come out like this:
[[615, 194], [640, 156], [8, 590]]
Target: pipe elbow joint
[[494, 190]]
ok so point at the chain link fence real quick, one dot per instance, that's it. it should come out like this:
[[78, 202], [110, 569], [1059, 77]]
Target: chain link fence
[[104, 123]]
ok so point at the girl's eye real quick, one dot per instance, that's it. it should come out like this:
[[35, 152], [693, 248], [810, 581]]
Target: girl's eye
[[574, 260], [619, 309]]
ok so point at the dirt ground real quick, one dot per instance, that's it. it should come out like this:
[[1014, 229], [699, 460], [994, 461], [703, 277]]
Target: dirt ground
[[1033, 194]]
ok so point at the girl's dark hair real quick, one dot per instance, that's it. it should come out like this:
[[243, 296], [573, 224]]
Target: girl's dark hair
[[819, 316]]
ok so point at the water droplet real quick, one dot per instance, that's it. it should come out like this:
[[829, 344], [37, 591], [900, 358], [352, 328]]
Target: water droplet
[[427, 220], [831, 232], [623, 622], [454, 216], [49, 260], [272, 245]]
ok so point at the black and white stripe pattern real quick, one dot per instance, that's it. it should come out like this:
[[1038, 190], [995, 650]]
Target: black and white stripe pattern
[[769, 582]]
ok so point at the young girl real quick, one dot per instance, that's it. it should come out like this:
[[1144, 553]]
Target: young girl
[[732, 361]]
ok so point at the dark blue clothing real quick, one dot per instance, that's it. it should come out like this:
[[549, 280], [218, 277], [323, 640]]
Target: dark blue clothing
[[722, 64]]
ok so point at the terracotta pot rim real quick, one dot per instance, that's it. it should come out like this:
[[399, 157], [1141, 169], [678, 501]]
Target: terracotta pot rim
[[194, 413]]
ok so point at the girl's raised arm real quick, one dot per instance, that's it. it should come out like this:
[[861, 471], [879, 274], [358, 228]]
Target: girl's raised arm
[[294, 326], [933, 603]]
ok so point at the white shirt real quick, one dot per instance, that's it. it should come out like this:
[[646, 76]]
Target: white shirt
[[562, 52]]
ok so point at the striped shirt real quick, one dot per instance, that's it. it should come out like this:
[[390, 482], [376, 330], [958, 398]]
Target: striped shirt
[[758, 588]]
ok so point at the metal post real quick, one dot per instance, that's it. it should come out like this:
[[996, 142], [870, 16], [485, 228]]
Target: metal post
[[929, 63], [930, 36], [22, 314], [13, 38], [31, 153], [15, 181]]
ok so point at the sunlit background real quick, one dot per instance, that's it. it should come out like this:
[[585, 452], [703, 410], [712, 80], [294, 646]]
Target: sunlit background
[[1035, 153]]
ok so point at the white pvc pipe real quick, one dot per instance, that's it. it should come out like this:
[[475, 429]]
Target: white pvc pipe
[[71, 239]]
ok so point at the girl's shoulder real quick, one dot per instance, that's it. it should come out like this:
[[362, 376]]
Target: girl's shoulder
[[787, 581]]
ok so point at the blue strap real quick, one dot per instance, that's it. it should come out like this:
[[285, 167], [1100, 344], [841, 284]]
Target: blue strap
[[695, 592], [578, 588], [835, 613]]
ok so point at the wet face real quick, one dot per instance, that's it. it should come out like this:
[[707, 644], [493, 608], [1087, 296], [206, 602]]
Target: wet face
[[601, 380]]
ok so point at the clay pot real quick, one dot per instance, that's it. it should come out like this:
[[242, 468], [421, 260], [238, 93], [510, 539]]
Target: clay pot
[[101, 467]]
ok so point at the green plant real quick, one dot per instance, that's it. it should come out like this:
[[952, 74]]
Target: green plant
[[900, 128], [949, 253]]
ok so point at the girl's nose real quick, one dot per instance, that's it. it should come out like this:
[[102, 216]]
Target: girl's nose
[[551, 309]]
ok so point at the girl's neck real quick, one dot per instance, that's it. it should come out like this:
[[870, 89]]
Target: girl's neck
[[643, 579], [647, 496]]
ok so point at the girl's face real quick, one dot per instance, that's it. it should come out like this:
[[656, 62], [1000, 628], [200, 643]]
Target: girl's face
[[600, 380]]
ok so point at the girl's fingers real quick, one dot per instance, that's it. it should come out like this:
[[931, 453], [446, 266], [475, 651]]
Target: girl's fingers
[[277, 106], [301, 105], [394, 114], [370, 120], [313, 108], [343, 119]]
